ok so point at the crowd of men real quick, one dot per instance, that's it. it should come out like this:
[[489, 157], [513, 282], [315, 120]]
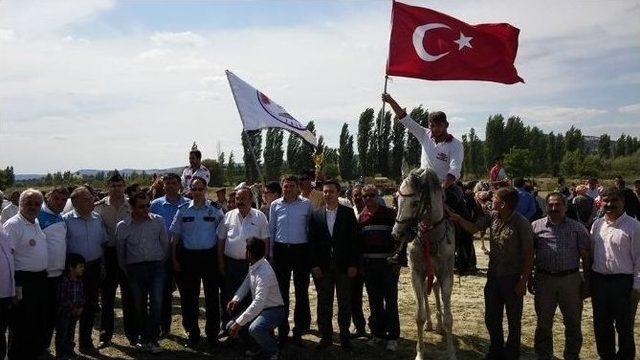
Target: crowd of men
[[64, 254]]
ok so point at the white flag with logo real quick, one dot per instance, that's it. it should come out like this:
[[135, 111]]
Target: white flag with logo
[[257, 111]]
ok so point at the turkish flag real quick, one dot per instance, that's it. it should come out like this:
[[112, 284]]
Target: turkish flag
[[426, 44]]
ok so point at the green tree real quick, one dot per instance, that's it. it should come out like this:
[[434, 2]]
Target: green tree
[[273, 153], [494, 144], [519, 162], [331, 162], [293, 149], [251, 164], [216, 172], [305, 155], [383, 138], [537, 143], [397, 152], [414, 149], [604, 146], [573, 140], [365, 133], [570, 163], [555, 151], [515, 134], [7, 177], [474, 157], [346, 155], [620, 147]]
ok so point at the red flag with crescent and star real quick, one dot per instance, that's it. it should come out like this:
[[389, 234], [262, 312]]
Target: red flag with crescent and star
[[426, 44]]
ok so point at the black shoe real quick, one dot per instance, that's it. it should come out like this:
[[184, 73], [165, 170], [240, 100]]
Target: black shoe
[[222, 334], [359, 333], [193, 341], [345, 345], [88, 349], [104, 344], [323, 344], [283, 341], [297, 341], [213, 343], [398, 259]]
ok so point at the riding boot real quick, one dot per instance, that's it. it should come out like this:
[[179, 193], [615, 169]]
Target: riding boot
[[399, 257]]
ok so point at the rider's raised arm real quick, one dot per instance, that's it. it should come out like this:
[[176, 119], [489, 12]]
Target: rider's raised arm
[[421, 133]]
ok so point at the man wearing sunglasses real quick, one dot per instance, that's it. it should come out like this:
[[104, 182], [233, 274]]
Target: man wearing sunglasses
[[194, 254], [142, 244]]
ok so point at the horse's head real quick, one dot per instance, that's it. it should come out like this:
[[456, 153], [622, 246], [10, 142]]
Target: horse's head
[[419, 198]]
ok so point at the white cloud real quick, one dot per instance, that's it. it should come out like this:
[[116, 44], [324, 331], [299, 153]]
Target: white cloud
[[38, 18], [185, 38], [139, 99], [630, 109], [555, 115]]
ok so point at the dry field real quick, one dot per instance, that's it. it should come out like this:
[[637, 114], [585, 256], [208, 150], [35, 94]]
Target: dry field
[[470, 333]]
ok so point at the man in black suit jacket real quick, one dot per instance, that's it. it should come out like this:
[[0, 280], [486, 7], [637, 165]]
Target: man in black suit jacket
[[332, 238]]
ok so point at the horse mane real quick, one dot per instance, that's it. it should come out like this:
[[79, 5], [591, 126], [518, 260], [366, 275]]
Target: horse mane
[[420, 178]]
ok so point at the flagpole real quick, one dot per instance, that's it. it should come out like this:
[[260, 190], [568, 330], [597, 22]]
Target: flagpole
[[386, 80], [253, 155]]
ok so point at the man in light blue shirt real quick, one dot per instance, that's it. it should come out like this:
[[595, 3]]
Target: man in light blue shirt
[[526, 202], [86, 235], [167, 207], [289, 223], [194, 255]]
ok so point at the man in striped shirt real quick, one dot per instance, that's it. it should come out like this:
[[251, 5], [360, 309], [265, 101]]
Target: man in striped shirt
[[559, 245]]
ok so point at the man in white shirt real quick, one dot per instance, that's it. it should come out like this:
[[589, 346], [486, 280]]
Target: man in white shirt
[[30, 257], [11, 209], [54, 227], [7, 287], [195, 169], [266, 310], [238, 226], [615, 280], [440, 151]]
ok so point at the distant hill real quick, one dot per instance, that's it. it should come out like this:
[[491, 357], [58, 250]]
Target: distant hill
[[93, 172]]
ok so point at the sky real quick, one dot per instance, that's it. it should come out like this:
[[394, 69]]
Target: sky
[[108, 84]]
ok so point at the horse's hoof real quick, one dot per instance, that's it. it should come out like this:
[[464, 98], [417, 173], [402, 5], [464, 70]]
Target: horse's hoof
[[419, 357]]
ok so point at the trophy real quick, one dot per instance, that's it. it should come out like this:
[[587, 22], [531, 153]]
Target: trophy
[[318, 159]]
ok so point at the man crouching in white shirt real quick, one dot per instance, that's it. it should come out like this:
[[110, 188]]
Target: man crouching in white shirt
[[266, 311]]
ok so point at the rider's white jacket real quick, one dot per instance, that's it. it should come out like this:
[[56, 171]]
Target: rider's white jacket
[[444, 157]]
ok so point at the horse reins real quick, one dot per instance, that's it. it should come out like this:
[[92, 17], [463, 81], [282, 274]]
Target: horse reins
[[425, 208]]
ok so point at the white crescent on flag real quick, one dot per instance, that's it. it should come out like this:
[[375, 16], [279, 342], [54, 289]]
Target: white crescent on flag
[[257, 111]]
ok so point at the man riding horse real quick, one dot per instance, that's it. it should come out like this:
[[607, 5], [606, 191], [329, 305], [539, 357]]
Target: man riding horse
[[440, 151]]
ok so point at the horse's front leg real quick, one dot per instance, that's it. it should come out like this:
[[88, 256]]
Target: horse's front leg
[[436, 293], [429, 325], [446, 287], [417, 281]]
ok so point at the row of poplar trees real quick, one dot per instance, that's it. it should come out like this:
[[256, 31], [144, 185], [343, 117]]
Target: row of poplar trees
[[379, 146]]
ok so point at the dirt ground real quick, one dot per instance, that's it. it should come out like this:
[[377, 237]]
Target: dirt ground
[[471, 336]]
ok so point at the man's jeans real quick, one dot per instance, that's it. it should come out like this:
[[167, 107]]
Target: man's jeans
[[261, 328], [146, 280]]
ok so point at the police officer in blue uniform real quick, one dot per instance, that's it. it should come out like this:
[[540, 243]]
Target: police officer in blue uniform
[[194, 256]]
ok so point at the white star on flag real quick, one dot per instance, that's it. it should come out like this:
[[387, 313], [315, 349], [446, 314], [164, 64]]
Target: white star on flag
[[463, 41]]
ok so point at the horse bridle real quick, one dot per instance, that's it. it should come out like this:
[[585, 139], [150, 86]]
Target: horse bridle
[[425, 208]]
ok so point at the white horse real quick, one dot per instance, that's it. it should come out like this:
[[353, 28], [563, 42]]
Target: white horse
[[420, 199]]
